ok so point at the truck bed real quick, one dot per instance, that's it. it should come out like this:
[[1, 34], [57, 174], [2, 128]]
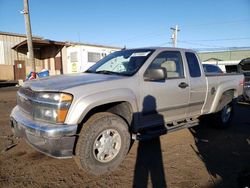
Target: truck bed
[[216, 83]]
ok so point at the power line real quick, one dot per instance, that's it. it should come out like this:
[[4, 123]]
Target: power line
[[194, 42], [225, 39], [195, 25], [219, 23], [151, 35], [140, 37], [199, 44], [165, 43]]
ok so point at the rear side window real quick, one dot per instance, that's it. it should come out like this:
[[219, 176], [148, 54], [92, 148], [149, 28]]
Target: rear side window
[[193, 64]]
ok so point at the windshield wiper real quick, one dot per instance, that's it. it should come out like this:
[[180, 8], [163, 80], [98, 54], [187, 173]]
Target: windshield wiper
[[89, 71], [111, 72], [106, 72]]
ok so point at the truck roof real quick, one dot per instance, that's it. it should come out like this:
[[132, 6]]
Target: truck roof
[[161, 48]]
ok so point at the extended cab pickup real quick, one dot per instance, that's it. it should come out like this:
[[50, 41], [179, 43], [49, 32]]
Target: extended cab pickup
[[130, 94]]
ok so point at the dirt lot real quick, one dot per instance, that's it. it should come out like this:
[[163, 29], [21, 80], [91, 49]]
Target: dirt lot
[[199, 157]]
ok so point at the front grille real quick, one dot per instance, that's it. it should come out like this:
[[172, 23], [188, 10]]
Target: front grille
[[24, 100]]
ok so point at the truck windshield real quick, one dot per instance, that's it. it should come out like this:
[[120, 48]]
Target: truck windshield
[[124, 62]]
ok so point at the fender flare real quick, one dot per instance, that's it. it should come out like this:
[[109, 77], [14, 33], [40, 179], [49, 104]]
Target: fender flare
[[84, 104]]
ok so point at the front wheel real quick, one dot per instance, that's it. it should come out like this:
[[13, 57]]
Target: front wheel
[[103, 143]]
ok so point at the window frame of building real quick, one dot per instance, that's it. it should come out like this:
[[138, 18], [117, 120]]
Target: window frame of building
[[93, 57], [73, 56]]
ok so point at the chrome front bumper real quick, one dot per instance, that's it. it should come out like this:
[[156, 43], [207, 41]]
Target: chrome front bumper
[[51, 139]]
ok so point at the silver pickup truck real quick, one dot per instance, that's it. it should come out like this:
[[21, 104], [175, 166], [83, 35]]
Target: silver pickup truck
[[130, 94]]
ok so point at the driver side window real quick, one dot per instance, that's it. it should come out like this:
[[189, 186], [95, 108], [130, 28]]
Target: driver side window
[[171, 61]]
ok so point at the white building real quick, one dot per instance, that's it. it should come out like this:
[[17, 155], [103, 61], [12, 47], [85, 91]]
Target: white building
[[225, 66], [55, 56], [227, 60], [81, 56]]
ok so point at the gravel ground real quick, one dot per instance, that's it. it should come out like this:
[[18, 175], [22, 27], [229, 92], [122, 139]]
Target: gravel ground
[[199, 157]]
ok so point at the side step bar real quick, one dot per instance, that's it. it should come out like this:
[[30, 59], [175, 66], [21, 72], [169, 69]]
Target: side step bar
[[154, 132], [150, 135]]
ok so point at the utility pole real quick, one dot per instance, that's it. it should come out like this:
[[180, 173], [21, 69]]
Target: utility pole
[[29, 35], [174, 35]]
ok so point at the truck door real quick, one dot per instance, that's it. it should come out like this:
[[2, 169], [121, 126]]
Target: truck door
[[197, 83], [165, 100]]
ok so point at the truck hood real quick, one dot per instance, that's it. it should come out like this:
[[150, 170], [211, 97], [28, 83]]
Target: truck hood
[[62, 82]]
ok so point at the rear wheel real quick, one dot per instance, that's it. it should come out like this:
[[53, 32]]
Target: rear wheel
[[224, 117], [103, 143]]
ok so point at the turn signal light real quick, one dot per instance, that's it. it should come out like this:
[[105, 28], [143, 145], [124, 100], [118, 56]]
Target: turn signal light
[[66, 97], [61, 115]]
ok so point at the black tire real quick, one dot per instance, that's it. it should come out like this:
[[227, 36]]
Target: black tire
[[109, 134], [223, 118]]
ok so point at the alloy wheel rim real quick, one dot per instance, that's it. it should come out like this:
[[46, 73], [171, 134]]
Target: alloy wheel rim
[[107, 145]]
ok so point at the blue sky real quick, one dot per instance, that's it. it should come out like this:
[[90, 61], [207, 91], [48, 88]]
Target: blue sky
[[134, 23]]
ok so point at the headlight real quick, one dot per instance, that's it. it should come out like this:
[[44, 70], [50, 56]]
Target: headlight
[[52, 107]]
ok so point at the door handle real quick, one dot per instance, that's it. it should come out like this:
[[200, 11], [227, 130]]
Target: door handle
[[183, 85]]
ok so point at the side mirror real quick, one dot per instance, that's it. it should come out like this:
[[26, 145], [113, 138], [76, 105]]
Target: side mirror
[[158, 74]]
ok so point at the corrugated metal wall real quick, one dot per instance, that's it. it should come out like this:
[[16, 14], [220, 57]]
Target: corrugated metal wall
[[7, 54], [6, 72]]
